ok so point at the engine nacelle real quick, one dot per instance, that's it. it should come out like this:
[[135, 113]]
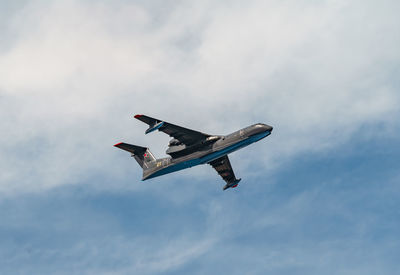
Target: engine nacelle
[[174, 142], [175, 150], [211, 139]]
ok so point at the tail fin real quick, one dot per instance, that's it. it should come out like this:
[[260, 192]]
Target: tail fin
[[141, 154]]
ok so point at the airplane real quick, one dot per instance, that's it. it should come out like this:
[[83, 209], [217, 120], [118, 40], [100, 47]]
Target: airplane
[[189, 148]]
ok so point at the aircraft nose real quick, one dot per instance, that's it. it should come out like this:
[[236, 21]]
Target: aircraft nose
[[268, 128], [260, 128], [265, 128]]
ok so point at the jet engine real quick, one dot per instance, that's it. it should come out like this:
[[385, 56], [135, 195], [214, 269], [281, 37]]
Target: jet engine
[[174, 142], [211, 139], [175, 147]]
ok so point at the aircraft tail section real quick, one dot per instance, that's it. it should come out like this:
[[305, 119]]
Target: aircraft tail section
[[142, 155]]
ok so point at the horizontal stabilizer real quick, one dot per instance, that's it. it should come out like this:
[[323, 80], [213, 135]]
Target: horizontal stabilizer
[[141, 154], [134, 149]]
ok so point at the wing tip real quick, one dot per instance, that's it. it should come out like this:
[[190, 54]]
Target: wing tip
[[119, 143], [137, 116]]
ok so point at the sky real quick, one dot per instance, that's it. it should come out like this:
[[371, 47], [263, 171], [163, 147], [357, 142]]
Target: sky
[[321, 195]]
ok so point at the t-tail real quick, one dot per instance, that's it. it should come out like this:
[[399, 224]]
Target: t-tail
[[142, 155]]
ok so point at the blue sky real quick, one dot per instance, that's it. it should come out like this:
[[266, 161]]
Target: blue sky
[[318, 196]]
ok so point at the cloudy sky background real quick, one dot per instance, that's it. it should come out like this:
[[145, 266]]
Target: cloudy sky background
[[318, 196]]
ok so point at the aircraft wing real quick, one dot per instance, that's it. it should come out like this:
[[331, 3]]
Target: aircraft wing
[[223, 166], [184, 135]]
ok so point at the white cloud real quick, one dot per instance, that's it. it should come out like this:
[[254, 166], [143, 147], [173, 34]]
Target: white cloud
[[75, 73]]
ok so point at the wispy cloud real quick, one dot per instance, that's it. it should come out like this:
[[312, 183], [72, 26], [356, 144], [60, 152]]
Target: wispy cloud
[[324, 74], [75, 72]]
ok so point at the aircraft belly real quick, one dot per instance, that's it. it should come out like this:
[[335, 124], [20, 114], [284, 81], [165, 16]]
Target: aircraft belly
[[172, 168]]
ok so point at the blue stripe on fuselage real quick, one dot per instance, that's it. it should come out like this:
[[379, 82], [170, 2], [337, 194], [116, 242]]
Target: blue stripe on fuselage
[[209, 157]]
